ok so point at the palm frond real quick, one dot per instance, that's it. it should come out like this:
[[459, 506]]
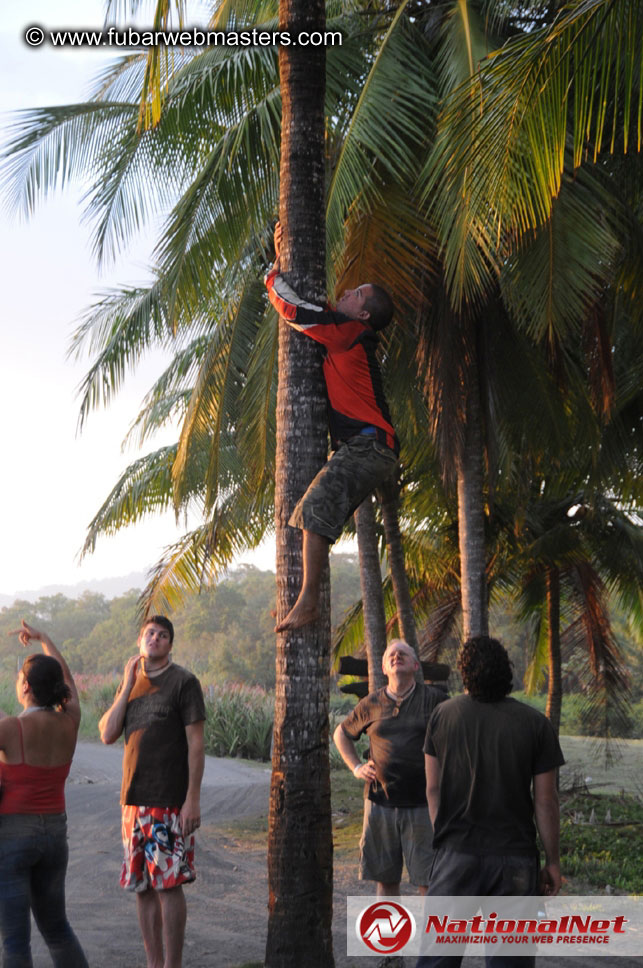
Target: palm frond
[[537, 667], [214, 406], [376, 249], [557, 278], [466, 234], [382, 127], [200, 556], [583, 75], [169, 397], [119, 329], [145, 487], [606, 706]]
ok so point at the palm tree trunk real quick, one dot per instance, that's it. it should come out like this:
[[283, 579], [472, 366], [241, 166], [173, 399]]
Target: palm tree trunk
[[300, 871], [555, 687], [395, 556], [471, 537], [372, 598]]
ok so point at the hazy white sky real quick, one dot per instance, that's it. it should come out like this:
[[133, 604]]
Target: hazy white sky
[[54, 481]]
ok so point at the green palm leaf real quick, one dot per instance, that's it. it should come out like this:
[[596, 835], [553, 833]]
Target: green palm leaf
[[582, 75]]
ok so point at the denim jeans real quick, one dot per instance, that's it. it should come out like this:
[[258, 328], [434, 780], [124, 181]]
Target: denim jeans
[[458, 874], [33, 863]]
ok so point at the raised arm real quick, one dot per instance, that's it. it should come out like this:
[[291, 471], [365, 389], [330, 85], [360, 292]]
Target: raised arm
[[26, 634], [277, 238], [191, 809], [110, 726], [547, 813], [347, 751], [324, 325]]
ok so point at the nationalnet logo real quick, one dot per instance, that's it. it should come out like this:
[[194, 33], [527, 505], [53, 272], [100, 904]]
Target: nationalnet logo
[[515, 926], [385, 927]]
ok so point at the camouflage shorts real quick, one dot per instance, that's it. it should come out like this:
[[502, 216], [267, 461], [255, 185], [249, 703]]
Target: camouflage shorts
[[354, 470]]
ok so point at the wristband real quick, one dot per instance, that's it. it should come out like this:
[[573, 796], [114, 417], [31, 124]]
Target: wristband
[[356, 768]]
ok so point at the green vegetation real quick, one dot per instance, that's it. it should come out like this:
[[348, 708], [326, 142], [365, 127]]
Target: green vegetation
[[601, 837], [575, 720], [8, 701], [239, 722], [225, 636]]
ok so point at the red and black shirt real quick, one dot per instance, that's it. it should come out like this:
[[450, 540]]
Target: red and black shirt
[[353, 380]]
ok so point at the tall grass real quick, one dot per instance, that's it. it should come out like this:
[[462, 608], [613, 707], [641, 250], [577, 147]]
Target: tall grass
[[8, 700], [239, 721], [238, 724], [96, 694]]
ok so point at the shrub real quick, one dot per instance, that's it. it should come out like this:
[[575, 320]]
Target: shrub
[[239, 721], [96, 691]]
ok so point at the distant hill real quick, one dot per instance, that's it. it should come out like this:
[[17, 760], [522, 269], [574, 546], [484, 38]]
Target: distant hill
[[109, 587]]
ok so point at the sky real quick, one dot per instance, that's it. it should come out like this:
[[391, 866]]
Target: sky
[[54, 480]]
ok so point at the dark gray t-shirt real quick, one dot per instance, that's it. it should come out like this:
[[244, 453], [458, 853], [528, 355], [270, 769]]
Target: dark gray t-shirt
[[396, 743], [488, 753], [155, 761]]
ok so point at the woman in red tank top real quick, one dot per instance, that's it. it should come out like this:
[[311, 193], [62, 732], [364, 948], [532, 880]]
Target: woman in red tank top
[[36, 748]]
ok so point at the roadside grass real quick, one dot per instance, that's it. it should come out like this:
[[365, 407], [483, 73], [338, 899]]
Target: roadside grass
[[8, 701], [96, 696], [601, 840], [239, 722], [601, 836]]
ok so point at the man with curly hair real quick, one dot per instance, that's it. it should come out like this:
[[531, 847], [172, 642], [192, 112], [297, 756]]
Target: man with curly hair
[[483, 753]]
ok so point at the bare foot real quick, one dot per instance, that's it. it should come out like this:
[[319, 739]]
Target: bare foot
[[302, 613]]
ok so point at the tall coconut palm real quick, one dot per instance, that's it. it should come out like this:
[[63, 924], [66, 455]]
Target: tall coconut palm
[[223, 149], [300, 870], [578, 551], [219, 126]]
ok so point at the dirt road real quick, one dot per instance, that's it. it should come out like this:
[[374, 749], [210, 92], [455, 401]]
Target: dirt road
[[227, 904]]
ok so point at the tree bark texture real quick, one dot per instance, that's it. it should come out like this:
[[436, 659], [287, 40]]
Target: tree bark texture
[[300, 874], [555, 686], [471, 536], [372, 598], [395, 556]]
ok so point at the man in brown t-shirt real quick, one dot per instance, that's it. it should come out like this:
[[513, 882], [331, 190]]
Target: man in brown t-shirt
[[159, 707], [396, 822]]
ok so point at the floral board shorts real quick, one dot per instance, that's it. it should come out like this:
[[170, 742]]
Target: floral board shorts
[[156, 854]]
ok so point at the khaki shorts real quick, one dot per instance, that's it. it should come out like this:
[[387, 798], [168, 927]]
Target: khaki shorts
[[354, 470], [391, 835]]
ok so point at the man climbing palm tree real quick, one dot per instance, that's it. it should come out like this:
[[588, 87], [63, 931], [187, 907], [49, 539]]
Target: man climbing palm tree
[[364, 441]]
